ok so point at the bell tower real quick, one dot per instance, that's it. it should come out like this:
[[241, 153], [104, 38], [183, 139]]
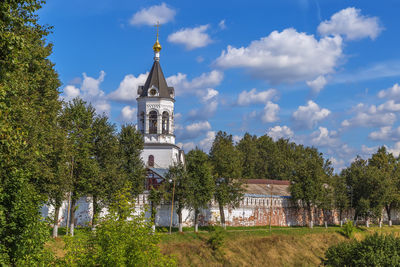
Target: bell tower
[[156, 117]]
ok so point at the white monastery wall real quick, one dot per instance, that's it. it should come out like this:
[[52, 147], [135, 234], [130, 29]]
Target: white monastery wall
[[253, 211]]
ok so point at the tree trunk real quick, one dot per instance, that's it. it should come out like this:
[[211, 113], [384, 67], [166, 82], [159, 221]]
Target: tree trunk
[[55, 221], [153, 213], [196, 220], [180, 219], [95, 213], [311, 217], [367, 222], [72, 217], [388, 211], [222, 215], [340, 216]]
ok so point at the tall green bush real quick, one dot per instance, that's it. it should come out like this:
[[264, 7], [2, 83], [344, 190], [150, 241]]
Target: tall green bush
[[121, 239], [374, 250]]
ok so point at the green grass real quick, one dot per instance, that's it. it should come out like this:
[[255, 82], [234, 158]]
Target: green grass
[[248, 246]]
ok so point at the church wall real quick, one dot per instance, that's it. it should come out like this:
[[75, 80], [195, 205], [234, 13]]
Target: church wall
[[163, 156], [252, 211]]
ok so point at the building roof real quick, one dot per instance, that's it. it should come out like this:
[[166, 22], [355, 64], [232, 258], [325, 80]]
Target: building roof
[[263, 187], [156, 79], [160, 171]]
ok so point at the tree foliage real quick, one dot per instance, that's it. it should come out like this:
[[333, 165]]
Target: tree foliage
[[374, 250], [28, 108], [130, 148], [308, 180], [227, 169], [121, 239], [201, 182]]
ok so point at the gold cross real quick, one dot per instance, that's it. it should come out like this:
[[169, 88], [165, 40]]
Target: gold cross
[[158, 26]]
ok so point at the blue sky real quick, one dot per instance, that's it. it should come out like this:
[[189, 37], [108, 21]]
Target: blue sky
[[322, 73]]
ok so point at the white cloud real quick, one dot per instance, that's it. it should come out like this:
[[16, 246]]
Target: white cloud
[[222, 25], [392, 93], [193, 130], [370, 116], [280, 132], [395, 150], [386, 133], [236, 138], [191, 38], [211, 93], [317, 85], [253, 97], [206, 80], [338, 164], [127, 90], [128, 114], [90, 92], [368, 151], [350, 23], [71, 91], [209, 99], [323, 138], [270, 112], [150, 16], [389, 106], [306, 117], [206, 143], [286, 56], [187, 146]]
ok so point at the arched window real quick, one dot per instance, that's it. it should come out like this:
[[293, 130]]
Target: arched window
[[142, 121], [165, 123], [153, 122], [151, 161]]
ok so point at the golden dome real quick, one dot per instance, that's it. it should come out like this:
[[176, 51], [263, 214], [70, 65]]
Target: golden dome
[[157, 47]]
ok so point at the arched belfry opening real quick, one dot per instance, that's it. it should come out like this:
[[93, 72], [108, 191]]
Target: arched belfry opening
[[165, 122], [153, 122]]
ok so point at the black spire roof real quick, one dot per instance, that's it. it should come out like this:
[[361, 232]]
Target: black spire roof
[[156, 79]]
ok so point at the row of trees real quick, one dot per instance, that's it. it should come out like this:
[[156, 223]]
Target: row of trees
[[91, 159]]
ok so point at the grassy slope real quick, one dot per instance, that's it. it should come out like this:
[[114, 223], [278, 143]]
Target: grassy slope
[[255, 247], [252, 246]]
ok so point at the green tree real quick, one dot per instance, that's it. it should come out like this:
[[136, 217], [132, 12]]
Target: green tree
[[248, 147], [266, 150], [358, 181], [307, 180], [57, 182], [178, 186], [201, 182], [106, 151], [28, 108], [131, 146], [77, 119], [226, 162], [341, 195], [386, 192]]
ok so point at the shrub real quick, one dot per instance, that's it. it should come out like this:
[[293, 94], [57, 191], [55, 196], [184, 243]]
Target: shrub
[[374, 250], [217, 238], [119, 240], [348, 229]]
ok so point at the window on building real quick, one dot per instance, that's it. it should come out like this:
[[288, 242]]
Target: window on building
[[165, 123], [153, 122], [151, 161]]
